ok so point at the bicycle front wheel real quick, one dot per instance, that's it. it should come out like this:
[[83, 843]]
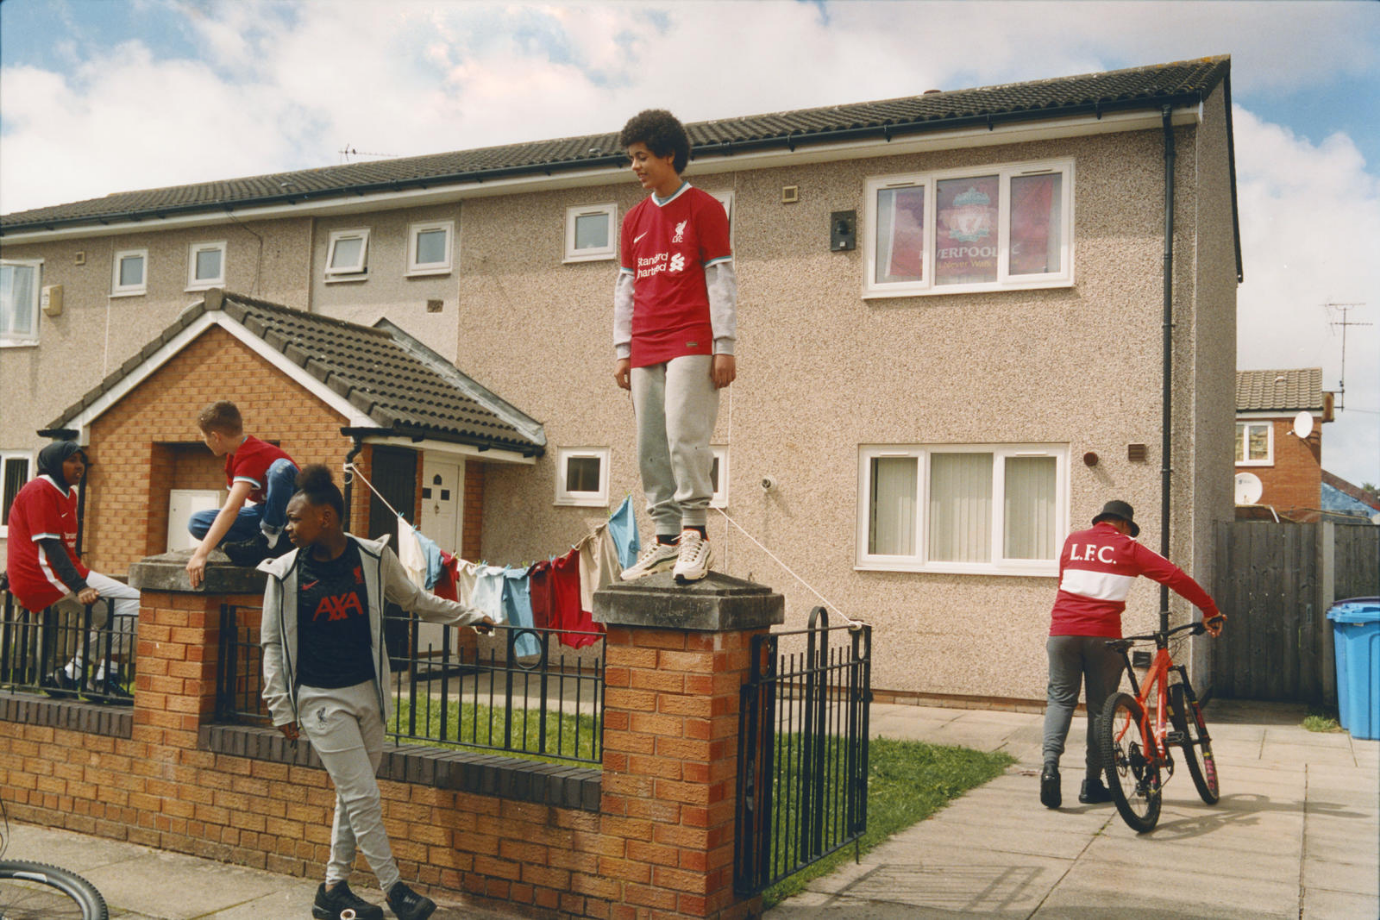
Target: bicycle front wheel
[[34, 891], [1187, 718], [1133, 774]]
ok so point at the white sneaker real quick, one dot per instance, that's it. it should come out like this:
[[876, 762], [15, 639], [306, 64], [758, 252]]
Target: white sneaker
[[695, 557], [657, 557]]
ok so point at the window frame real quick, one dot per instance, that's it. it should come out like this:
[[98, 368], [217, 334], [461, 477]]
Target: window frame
[[1269, 426], [920, 562], [204, 284], [727, 199], [13, 339], [582, 499], [1005, 172], [357, 271], [591, 254], [129, 290], [417, 269], [720, 497], [30, 457]]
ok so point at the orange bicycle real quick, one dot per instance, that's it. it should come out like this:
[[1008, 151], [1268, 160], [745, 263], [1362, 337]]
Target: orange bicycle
[[1137, 731]]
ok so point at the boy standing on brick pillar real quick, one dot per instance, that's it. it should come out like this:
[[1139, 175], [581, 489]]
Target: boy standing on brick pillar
[[254, 470], [674, 328]]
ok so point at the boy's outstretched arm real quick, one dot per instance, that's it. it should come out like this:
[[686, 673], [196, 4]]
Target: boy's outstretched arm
[[196, 566]]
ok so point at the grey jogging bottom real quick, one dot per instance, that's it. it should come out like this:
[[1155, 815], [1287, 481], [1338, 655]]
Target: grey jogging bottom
[[676, 404], [345, 727], [1075, 660]]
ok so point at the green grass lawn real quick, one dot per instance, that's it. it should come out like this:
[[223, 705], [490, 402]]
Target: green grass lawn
[[474, 726]]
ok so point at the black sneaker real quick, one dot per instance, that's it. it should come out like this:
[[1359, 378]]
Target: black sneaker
[[407, 904], [1050, 795], [329, 904], [1094, 793], [248, 553], [58, 685]]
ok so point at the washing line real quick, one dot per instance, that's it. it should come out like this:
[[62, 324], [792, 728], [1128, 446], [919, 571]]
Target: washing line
[[350, 467]]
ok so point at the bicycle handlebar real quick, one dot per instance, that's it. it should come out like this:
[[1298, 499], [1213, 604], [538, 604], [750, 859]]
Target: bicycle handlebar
[[1197, 628]]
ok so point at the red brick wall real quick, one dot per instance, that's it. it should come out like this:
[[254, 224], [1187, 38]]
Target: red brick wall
[[472, 525], [1293, 484], [138, 443]]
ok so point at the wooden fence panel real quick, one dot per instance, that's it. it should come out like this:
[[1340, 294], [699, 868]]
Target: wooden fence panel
[[1358, 561]]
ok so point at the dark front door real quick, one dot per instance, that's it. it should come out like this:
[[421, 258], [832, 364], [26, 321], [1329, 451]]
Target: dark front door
[[395, 476]]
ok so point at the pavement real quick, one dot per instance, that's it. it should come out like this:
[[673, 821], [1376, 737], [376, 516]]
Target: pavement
[[1296, 836]]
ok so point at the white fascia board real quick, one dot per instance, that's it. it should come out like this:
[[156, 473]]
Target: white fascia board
[[82, 421], [1277, 415], [1018, 132], [492, 455]]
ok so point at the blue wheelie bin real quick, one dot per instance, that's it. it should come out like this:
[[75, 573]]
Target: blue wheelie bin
[[1356, 635]]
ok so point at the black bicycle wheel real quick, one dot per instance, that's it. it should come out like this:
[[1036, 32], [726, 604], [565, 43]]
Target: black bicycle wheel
[[33, 891], [1132, 777], [1187, 718]]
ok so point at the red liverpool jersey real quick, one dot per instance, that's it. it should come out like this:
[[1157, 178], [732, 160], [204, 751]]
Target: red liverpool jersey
[[666, 245]]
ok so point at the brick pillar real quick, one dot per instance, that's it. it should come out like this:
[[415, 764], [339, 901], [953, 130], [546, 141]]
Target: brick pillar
[[675, 658], [179, 640]]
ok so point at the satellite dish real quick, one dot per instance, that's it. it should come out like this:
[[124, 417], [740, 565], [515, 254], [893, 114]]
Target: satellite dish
[[1303, 425], [1248, 488]]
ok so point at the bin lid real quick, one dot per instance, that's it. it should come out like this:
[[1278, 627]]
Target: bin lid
[[1355, 610]]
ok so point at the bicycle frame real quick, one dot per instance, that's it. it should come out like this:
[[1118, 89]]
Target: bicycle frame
[[1156, 679]]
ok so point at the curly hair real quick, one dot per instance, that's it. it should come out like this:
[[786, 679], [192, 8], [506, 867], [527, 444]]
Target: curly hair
[[317, 485], [661, 131], [223, 416]]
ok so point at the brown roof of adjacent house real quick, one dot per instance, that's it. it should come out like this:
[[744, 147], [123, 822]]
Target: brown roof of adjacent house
[[399, 383], [1291, 390], [1137, 88]]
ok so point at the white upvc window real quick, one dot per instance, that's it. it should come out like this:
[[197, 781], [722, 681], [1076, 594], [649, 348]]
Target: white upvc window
[[206, 266], [130, 272], [991, 228], [718, 477], [980, 509], [1255, 443], [19, 296], [590, 233], [347, 255], [582, 476], [14, 472], [429, 247]]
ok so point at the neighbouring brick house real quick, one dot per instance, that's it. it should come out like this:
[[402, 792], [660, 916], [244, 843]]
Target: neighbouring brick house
[[949, 340], [1278, 468]]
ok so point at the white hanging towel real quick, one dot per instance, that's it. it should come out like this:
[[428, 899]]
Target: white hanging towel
[[410, 553]]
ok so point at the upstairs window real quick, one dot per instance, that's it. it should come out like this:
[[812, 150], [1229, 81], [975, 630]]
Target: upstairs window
[[999, 228], [589, 233], [347, 255], [582, 476], [206, 266], [429, 247], [14, 472], [19, 292], [1255, 442], [130, 273]]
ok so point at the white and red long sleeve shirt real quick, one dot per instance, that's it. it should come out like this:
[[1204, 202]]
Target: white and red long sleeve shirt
[[1096, 570]]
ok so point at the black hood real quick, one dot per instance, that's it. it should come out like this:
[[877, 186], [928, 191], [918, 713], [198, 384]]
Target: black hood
[[51, 458]]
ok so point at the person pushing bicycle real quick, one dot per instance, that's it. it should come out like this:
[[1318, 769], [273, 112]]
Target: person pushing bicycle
[[1097, 568]]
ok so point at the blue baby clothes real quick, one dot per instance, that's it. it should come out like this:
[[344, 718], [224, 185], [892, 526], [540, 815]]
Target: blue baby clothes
[[623, 529], [517, 609]]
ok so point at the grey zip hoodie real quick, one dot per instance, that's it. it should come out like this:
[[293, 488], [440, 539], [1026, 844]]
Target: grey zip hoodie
[[385, 581]]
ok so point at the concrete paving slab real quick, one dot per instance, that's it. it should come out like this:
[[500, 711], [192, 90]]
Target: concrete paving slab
[[970, 881], [1241, 864], [126, 885], [1150, 884], [1300, 752], [1012, 837], [1358, 878], [1337, 905]]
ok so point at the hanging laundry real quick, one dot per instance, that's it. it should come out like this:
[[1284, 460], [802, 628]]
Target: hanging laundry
[[517, 610], [446, 584], [540, 587], [488, 591], [599, 565], [623, 529], [410, 553], [566, 613], [466, 573], [432, 553]]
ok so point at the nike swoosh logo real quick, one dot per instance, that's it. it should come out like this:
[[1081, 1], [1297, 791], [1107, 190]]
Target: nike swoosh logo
[[312, 585], [639, 237]]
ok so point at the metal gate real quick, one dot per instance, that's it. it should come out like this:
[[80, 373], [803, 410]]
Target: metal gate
[[802, 750]]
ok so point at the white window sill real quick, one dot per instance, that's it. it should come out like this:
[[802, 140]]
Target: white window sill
[[346, 279], [1255, 463], [1049, 569], [139, 293], [18, 343], [589, 257], [204, 286], [427, 272], [592, 501], [886, 294]]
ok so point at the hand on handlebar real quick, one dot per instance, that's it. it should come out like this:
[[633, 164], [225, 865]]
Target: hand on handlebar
[[1213, 625]]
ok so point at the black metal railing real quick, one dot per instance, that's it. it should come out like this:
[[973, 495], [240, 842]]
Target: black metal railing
[[68, 651], [803, 747], [523, 694]]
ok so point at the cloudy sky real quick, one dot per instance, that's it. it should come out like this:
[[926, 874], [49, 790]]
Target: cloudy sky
[[98, 96]]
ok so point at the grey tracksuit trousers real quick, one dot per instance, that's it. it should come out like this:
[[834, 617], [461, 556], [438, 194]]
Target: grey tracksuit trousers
[[346, 729], [676, 404], [1075, 660]]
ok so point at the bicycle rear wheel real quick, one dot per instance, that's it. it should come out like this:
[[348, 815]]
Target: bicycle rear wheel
[[34, 891], [1187, 718], [1133, 776]]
